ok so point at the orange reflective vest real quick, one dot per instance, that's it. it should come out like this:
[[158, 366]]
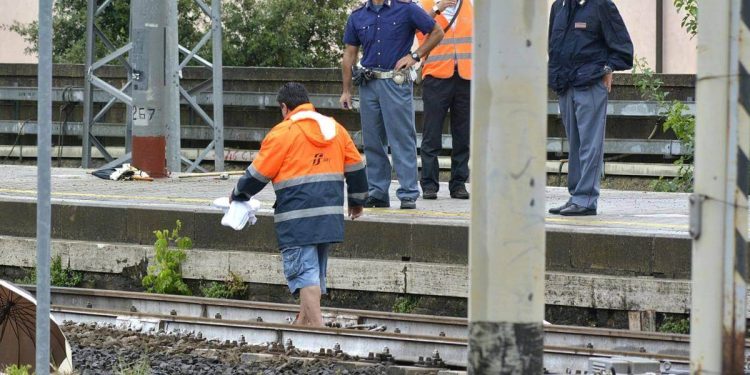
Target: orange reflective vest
[[307, 157], [455, 48]]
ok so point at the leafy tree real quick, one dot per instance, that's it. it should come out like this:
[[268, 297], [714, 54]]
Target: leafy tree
[[69, 25], [690, 16], [289, 33]]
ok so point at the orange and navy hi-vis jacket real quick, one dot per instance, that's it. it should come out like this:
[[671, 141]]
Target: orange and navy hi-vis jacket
[[307, 157], [454, 51]]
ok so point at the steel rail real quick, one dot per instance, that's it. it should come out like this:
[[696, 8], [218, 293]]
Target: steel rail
[[404, 348], [183, 307]]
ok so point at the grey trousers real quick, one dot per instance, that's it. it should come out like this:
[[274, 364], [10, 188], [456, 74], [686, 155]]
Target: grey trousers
[[387, 115], [584, 115]]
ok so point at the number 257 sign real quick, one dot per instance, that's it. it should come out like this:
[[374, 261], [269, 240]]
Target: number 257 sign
[[142, 115]]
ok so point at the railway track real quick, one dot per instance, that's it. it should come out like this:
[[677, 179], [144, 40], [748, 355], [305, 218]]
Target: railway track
[[355, 332]]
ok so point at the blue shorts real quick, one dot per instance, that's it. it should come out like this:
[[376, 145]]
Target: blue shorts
[[305, 266]]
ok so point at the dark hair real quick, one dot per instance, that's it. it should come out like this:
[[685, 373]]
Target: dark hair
[[292, 94]]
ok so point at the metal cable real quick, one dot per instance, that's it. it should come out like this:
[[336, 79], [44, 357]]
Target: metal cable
[[65, 111], [18, 138]]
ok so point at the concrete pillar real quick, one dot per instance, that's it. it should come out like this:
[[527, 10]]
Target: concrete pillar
[[218, 84], [172, 97], [506, 236], [719, 204], [148, 34], [88, 92]]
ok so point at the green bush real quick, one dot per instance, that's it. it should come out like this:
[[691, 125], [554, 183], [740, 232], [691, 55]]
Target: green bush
[[233, 287], [17, 370], [683, 126], [405, 305], [165, 275], [139, 367], [59, 276], [29, 278], [675, 118], [674, 325]]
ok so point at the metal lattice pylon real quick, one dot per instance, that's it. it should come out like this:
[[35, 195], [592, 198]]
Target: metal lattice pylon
[[214, 33], [94, 33], [173, 68]]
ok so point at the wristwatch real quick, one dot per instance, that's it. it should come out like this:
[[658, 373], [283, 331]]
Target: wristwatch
[[607, 69], [436, 9], [415, 56]]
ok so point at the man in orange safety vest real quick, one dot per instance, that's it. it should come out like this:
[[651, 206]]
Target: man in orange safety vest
[[447, 87]]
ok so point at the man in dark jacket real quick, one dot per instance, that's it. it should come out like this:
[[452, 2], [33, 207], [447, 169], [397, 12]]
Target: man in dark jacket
[[588, 40]]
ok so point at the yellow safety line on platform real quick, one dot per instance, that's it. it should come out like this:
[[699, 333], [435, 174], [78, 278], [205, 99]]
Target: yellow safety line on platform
[[603, 223], [111, 196], [591, 221], [421, 213], [418, 212]]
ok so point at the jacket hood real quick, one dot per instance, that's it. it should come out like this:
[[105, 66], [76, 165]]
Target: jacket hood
[[319, 130]]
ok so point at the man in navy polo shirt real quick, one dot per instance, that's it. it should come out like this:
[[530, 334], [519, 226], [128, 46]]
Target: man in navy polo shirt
[[385, 29]]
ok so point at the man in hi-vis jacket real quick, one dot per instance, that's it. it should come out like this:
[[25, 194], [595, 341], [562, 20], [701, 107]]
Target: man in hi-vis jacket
[[307, 157]]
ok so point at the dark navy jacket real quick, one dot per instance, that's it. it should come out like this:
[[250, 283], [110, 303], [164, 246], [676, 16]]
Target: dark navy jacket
[[584, 36]]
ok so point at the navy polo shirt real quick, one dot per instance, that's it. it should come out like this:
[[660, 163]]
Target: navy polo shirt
[[386, 35]]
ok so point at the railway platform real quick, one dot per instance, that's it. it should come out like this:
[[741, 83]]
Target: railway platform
[[631, 234], [634, 256]]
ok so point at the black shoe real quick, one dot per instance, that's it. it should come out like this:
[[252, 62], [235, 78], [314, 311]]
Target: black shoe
[[556, 210], [408, 204], [429, 194], [372, 202], [576, 210], [460, 193]]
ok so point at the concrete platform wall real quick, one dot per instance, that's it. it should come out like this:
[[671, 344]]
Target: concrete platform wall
[[581, 252], [318, 81]]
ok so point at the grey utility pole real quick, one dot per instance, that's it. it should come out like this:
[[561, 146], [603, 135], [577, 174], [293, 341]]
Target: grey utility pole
[[44, 185], [172, 91], [718, 221], [506, 236], [148, 21], [218, 89]]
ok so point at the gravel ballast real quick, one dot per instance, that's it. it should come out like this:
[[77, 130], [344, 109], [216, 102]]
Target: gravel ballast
[[107, 350]]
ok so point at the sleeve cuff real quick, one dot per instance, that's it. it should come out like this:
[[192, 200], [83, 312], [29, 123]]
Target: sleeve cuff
[[240, 197]]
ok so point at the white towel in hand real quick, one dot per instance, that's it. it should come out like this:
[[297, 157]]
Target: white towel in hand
[[238, 214]]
